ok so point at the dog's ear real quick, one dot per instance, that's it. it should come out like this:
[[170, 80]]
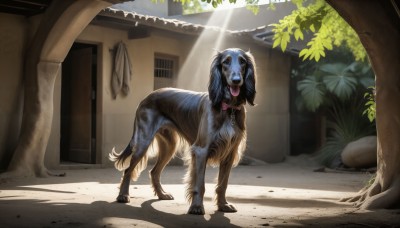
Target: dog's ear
[[215, 89], [250, 79]]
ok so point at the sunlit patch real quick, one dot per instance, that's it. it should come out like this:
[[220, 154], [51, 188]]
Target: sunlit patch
[[126, 222], [211, 40]]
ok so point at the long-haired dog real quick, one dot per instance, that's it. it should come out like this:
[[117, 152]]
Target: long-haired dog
[[212, 123]]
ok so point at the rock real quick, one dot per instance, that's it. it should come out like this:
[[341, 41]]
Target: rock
[[247, 160], [360, 153]]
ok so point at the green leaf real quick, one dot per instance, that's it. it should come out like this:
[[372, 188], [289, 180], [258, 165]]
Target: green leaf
[[306, 53], [342, 86], [312, 91], [333, 68], [303, 52], [312, 28], [298, 34], [317, 25], [276, 42], [298, 19], [284, 45], [317, 56], [327, 44], [285, 40]]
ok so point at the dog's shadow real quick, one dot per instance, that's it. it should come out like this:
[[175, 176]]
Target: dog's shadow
[[147, 213], [25, 213]]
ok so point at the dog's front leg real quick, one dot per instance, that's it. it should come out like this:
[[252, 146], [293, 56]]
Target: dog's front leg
[[223, 176], [196, 183]]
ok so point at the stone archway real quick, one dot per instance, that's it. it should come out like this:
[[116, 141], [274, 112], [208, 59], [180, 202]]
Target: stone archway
[[62, 22]]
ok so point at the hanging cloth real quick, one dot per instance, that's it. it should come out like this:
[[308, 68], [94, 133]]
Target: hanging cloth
[[122, 72]]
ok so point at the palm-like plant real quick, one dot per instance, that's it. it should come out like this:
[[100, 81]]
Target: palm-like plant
[[348, 125], [333, 79]]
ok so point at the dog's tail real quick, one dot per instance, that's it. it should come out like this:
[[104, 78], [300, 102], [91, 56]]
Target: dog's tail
[[122, 161]]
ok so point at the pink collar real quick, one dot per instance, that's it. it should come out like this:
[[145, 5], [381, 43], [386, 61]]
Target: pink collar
[[226, 106]]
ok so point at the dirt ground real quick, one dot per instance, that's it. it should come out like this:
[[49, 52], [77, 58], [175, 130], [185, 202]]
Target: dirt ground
[[287, 194]]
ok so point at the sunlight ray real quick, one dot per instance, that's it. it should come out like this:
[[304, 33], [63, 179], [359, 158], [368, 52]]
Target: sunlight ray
[[194, 73]]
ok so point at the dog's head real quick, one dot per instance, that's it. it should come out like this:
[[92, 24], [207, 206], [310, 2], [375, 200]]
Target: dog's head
[[232, 77]]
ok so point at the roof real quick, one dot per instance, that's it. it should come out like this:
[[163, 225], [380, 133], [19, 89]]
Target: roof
[[128, 20], [25, 8]]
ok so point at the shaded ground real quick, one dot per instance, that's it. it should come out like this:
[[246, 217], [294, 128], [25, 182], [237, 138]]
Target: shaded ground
[[288, 194]]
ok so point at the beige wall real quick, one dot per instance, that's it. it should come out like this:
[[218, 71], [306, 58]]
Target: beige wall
[[12, 47], [268, 124]]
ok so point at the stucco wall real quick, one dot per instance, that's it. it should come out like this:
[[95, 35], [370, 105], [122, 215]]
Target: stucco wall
[[268, 122], [12, 47]]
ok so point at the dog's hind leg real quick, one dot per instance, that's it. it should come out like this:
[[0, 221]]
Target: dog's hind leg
[[132, 171], [146, 126], [167, 142], [223, 176]]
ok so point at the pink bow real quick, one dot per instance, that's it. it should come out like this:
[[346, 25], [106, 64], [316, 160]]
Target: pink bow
[[225, 107]]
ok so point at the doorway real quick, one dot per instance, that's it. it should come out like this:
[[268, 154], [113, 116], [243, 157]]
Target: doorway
[[78, 105]]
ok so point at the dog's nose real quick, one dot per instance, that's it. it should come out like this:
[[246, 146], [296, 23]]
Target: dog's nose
[[236, 79]]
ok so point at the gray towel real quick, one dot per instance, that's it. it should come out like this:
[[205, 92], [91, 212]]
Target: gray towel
[[121, 76]]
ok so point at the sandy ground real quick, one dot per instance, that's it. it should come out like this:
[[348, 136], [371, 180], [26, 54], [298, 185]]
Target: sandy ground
[[288, 194]]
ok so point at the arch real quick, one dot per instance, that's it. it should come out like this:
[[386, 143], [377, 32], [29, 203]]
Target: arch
[[62, 22]]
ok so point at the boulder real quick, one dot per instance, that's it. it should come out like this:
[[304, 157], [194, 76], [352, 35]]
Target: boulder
[[360, 153]]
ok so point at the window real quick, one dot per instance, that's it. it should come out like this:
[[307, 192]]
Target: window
[[165, 70], [164, 66]]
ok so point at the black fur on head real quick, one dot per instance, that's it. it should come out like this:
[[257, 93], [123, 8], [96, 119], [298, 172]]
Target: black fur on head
[[232, 78]]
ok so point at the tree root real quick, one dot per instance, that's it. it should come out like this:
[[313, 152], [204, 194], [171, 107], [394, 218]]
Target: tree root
[[372, 197]]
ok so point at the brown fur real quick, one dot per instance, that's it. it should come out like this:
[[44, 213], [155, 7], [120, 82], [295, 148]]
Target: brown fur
[[217, 136]]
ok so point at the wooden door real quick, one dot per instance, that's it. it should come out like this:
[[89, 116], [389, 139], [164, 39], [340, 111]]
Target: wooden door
[[80, 129]]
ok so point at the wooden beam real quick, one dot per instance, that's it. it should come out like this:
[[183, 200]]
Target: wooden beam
[[138, 33]]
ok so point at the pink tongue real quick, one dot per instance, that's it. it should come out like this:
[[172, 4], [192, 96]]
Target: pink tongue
[[235, 90]]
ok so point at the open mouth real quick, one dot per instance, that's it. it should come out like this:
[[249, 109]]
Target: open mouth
[[235, 90]]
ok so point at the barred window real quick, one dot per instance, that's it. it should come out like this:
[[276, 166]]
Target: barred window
[[163, 67]]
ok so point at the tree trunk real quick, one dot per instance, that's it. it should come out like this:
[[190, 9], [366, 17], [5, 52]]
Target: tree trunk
[[376, 24], [62, 22]]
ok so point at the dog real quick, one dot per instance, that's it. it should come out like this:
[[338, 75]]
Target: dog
[[212, 124]]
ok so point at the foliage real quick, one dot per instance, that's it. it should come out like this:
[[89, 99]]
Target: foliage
[[371, 105], [345, 126], [196, 6], [336, 89], [191, 7], [328, 29], [333, 80], [214, 3]]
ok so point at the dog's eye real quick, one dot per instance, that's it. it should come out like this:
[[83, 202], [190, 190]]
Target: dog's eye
[[227, 61], [242, 61]]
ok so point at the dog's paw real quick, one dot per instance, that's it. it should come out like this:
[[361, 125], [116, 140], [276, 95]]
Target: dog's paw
[[196, 210], [165, 196], [229, 208], [123, 199]]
